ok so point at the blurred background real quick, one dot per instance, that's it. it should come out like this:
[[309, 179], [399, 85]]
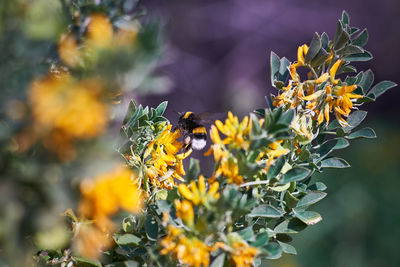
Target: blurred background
[[215, 57]]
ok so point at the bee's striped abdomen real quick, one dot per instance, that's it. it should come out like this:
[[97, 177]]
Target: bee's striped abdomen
[[199, 138]]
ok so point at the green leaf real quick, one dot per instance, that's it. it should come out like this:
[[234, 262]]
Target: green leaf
[[304, 155], [342, 40], [359, 57], [218, 261], [261, 240], [130, 112], [126, 239], [123, 264], [286, 117], [290, 226], [346, 69], [314, 48], [266, 211], [345, 18], [193, 170], [82, 262], [363, 133], [276, 168], [349, 50], [361, 39], [339, 30], [308, 217], [295, 174], [336, 163], [129, 224], [381, 88], [311, 198], [366, 81], [275, 65], [151, 227], [161, 108], [247, 233], [333, 125], [324, 40], [320, 58], [274, 250], [288, 249], [283, 69], [331, 145], [355, 119], [318, 186], [280, 188]]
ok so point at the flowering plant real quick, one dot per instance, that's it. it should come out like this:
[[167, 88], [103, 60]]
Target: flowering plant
[[147, 209], [261, 189]]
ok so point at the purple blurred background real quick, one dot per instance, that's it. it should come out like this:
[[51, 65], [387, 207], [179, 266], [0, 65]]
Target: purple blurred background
[[218, 51]]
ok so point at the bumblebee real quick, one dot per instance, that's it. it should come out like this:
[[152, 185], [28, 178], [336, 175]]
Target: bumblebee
[[193, 131]]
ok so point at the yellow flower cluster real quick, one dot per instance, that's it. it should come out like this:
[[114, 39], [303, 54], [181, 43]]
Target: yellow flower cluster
[[316, 104], [198, 194], [99, 35], [242, 254], [236, 136], [270, 153], [195, 195], [101, 198], [108, 193], [162, 161], [64, 109], [188, 250]]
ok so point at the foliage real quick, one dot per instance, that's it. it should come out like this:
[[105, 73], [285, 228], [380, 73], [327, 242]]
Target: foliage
[[260, 192]]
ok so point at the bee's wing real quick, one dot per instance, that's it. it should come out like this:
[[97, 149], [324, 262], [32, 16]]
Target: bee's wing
[[210, 117]]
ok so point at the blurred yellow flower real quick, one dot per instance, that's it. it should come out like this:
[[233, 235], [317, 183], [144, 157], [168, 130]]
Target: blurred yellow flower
[[68, 50], [184, 210], [229, 169], [198, 195], [243, 255], [107, 194], [99, 31], [67, 110], [89, 240], [188, 251]]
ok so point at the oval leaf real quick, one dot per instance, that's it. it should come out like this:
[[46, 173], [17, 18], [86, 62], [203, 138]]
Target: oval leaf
[[295, 174], [336, 163], [363, 133], [311, 198], [266, 211], [308, 217]]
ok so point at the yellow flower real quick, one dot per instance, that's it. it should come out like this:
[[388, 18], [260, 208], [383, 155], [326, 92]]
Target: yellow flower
[[64, 110], [89, 240], [234, 131], [333, 70], [301, 53], [100, 31], [198, 195], [68, 50], [229, 169], [243, 255], [108, 193], [343, 103], [165, 164], [188, 251], [184, 210]]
